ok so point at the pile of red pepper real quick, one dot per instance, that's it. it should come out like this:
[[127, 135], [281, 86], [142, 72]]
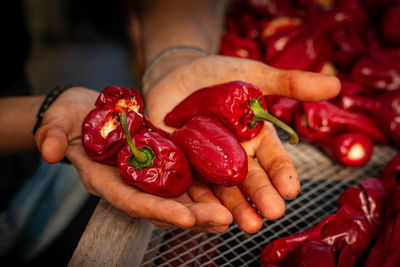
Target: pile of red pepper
[[356, 40], [364, 231]]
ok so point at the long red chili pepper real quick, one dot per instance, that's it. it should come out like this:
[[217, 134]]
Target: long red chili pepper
[[213, 152], [239, 106], [153, 163], [102, 135]]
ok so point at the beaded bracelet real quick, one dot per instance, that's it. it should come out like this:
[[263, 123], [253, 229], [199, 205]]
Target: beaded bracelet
[[165, 53], [50, 98]]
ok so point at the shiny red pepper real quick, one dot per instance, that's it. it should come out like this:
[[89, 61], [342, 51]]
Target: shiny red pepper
[[102, 135], [349, 149], [153, 163], [213, 152], [354, 97], [239, 106], [326, 117]]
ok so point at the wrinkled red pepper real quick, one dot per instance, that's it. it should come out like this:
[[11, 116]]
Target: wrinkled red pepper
[[153, 163], [235, 46], [102, 135], [328, 118], [213, 152], [239, 106], [349, 149], [278, 250]]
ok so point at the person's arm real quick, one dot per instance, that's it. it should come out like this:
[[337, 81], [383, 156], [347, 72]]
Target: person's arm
[[17, 117]]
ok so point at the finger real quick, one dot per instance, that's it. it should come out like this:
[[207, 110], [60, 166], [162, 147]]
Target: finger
[[243, 212], [104, 181], [207, 209], [52, 142], [275, 160], [262, 193]]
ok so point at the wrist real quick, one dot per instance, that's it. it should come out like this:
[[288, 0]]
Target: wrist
[[168, 60]]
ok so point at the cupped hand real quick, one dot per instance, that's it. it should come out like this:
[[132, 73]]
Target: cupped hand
[[272, 176], [60, 136]]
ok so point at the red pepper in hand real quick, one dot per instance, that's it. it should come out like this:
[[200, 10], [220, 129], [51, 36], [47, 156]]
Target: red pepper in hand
[[239, 106], [102, 135], [213, 152], [349, 149], [153, 163]]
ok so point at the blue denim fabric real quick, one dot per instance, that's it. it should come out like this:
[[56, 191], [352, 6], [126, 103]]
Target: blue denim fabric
[[36, 207]]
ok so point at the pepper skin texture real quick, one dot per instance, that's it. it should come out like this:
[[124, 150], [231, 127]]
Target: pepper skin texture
[[169, 174], [102, 136], [239, 106], [349, 149], [212, 151]]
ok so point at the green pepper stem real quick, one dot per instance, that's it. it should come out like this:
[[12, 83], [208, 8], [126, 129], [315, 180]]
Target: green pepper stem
[[141, 157], [260, 114]]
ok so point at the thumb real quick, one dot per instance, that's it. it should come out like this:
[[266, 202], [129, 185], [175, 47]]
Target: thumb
[[52, 141]]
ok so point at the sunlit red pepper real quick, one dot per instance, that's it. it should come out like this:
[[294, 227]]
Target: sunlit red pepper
[[349, 149], [102, 135], [212, 151], [153, 163], [235, 46], [239, 106], [326, 117]]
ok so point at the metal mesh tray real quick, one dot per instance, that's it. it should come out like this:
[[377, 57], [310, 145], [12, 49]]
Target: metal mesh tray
[[322, 182]]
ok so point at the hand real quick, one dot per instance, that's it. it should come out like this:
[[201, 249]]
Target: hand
[[273, 178], [60, 135]]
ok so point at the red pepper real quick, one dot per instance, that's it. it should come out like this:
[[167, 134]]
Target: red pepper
[[213, 152], [239, 106], [391, 173], [349, 149], [368, 197], [278, 250], [153, 163], [387, 113], [282, 107], [378, 70], [386, 250], [271, 26], [235, 46], [305, 47], [312, 253], [102, 135], [326, 117]]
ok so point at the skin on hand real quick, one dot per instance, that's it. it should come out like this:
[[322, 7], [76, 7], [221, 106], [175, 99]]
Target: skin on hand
[[60, 136], [273, 177]]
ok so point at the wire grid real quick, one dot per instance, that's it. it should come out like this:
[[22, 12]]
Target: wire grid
[[322, 183]]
